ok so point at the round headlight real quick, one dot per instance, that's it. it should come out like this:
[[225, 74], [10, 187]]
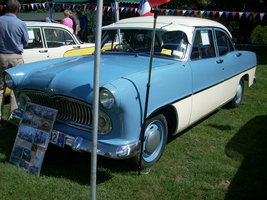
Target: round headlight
[[104, 124], [22, 101], [9, 81], [106, 99]]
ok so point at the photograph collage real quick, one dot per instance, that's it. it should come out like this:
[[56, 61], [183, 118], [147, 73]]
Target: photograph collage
[[32, 138]]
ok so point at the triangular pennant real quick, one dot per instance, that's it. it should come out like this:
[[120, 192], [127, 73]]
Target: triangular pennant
[[184, 11], [178, 11], [40, 5], [35, 5], [161, 11], [220, 14], [233, 14], [227, 14], [261, 15], [173, 11], [131, 9], [240, 14], [247, 15], [122, 9], [126, 9], [254, 15], [167, 11], [208, 13], [190, 12], [214, 13], [202, 12], [196, 12]]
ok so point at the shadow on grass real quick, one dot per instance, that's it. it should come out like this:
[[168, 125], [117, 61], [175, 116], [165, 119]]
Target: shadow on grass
[[249, 146], [7, 138], [64, 162]]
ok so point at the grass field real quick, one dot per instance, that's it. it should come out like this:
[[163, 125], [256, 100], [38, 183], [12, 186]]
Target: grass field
[[224, 156]]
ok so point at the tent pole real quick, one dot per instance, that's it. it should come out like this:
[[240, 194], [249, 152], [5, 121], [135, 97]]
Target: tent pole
[[97, 57]]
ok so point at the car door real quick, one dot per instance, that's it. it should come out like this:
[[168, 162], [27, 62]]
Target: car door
[[59, 41], [230, 62], [207, 74], [36, 49]]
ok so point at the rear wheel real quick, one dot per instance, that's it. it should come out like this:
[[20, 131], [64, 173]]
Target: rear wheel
[[237, 100], [155, 138]]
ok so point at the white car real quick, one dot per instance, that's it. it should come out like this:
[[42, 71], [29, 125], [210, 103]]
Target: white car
[[51, 40]]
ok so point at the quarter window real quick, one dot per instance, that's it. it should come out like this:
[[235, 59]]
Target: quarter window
[[203, 46]]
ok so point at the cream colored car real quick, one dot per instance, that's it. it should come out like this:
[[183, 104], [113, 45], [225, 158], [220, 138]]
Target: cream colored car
[[52, 40]]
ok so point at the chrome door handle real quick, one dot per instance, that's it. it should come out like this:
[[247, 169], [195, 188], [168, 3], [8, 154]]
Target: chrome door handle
[[219, 61]]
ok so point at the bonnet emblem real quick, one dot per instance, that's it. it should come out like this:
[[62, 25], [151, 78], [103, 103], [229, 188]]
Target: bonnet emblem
[[51, 90]]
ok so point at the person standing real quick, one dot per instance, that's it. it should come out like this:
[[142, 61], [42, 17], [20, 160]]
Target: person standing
[[13, 37], [67, 20], [106, 19], [83, 33], [76, 23]]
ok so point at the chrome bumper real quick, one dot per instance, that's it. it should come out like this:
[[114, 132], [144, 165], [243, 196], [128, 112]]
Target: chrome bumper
[[80, 144]]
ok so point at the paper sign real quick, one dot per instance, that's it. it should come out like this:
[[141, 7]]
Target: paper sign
[[33, 138], [205, 37]]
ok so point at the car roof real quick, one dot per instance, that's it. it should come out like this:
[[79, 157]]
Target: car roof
[[46, 24], [168, 23]]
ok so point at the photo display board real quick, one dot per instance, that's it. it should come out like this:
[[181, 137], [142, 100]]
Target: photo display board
[[33, 137]]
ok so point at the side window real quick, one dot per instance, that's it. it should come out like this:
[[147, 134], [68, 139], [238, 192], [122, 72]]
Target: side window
[[174, 43], [57, 38], [224, 43], [203, 45], [35, 38]]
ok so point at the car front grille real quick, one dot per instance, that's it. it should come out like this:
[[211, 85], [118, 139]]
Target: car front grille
[[70, 111]]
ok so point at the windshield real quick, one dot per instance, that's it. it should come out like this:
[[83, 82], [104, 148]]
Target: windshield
[[167, 43]]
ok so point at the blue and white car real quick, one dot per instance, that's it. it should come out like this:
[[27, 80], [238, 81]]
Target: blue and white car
[[195, 70]]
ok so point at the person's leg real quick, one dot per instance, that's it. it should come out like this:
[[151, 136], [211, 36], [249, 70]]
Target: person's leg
[[14, 60], [3, 66]]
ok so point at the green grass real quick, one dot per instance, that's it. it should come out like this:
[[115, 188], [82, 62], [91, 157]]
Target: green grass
[[224, 156]]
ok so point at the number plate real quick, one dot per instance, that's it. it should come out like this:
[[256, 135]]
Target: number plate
[[57, 138]]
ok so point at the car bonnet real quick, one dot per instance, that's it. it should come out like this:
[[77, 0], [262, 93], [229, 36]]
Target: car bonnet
[[75, 76]]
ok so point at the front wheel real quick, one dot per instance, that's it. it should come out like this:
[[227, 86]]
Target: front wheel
[[237, 100], [155, 138]]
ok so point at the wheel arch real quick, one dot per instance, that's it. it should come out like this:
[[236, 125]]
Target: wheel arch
[[171, 117]]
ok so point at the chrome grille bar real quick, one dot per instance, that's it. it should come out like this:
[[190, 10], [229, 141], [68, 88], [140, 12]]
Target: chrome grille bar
[[69, 110]]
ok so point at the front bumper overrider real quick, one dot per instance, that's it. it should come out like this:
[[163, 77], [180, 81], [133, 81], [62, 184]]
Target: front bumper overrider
[[81, 144]]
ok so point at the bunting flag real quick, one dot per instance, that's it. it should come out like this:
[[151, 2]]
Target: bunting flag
[[144, 8]]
